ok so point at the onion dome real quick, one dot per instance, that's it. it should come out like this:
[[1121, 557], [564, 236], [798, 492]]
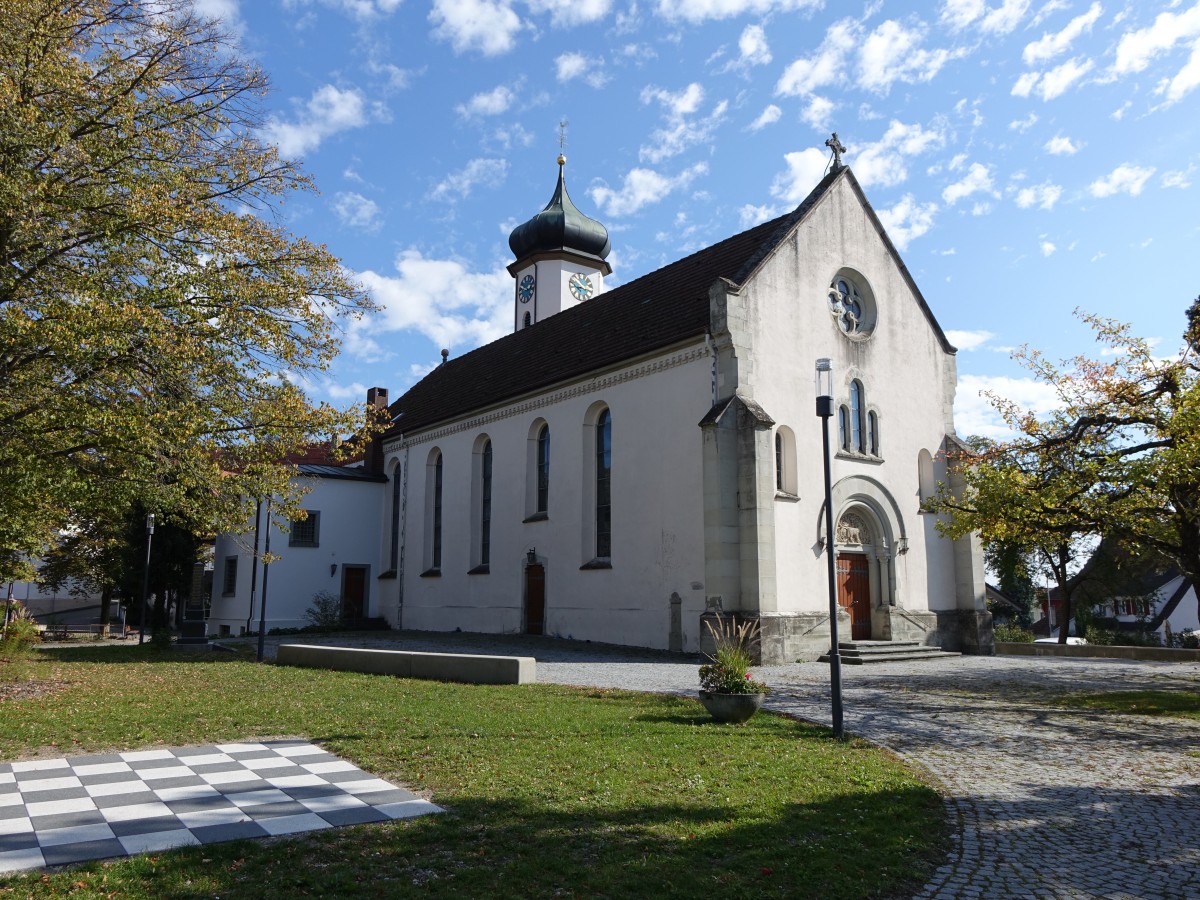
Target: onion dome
[[560, 227]]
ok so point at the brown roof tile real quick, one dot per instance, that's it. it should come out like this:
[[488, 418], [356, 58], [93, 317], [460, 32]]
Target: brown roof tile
[[657, 310]]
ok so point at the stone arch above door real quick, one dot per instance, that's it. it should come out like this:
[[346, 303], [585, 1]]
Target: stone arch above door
[[870, 503]]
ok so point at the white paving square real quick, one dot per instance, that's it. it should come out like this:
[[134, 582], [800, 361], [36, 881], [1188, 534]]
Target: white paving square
[[158, 840], [294, 824], [56, 807], [19, 860], [76, 834], [135, 811]]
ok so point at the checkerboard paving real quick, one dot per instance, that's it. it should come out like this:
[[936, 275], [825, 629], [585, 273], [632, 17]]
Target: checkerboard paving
[[57, 811]]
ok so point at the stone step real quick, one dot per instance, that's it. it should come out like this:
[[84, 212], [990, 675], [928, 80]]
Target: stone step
[[857, 653]]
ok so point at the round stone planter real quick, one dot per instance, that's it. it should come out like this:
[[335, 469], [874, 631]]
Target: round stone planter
[[731, 708]]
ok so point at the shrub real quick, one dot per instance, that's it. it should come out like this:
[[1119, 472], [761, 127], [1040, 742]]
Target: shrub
[[1013, 634], [21, 634], [325, 613], [728, 671], [1112, 637]]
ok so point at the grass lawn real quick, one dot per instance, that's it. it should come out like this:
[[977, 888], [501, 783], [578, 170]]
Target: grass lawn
[[550, 791], [1174, 704]]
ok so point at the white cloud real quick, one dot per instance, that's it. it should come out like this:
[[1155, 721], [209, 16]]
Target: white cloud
[[362, 10], [768, 116], [1005, 17], [1062, 146], [884, 162], [490, 103], [751, 215], [355, 391], [642, 187], [567, 13], [1124, 179], [1023, 125], [1053, 83], [440, 298], [705, 10], [892, 53], [968, 340], [1137, 49], [1047, 248], [486, 26], [907, 220], [1179, 178], [958, 14], [458, 185], [224, 11], [681, 131], [356, 211], [1041, 195], [570, 65], [328, 111], [974, 415], [752, 46], [818, 112], [1186, 79], [978, 180], [809, 74], [1051, 45], [804, 169]]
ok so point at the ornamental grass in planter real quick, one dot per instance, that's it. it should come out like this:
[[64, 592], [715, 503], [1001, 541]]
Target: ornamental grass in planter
[[727, 689]]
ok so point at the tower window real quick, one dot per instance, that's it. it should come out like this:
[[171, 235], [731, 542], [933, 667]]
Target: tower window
[[604, 485]]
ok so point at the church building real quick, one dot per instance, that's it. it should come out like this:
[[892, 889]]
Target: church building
[[632, 459]]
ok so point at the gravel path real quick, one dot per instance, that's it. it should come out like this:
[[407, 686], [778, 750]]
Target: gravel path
[[1049, 802]]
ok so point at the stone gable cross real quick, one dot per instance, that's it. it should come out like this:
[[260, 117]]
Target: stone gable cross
[[836, 146]]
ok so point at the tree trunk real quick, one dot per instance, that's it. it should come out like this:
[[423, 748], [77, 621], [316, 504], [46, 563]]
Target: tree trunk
[[105, 609]]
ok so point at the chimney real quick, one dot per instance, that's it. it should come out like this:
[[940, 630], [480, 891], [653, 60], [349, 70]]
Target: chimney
[[377, 399]]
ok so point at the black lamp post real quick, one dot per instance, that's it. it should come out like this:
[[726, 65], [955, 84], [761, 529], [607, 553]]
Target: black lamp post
[[825, 411], [262, 603], [146, 578]]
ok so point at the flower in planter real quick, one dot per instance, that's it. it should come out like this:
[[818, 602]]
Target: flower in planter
[[728, 669]]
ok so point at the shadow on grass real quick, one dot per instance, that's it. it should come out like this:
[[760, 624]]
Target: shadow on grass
[[509, 848]]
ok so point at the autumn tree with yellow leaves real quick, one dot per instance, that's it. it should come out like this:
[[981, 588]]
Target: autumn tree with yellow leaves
[[1118, 459], [155, 316]]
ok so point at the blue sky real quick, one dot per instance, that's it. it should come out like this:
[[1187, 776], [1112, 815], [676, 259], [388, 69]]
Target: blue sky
[[1027, 157]]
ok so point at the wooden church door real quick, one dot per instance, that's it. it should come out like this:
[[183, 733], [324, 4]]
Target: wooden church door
[[535, 599], [854, 593], [354, 592]]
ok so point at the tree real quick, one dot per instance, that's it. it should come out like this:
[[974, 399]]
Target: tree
[[155, 318], [1119, 458], [1025, 496]]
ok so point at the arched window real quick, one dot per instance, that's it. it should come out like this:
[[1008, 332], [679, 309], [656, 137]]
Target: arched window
[[843, 428], [778, 461], [437, 513], [604, 485], [485, 506], [543, 470], [857, 438], [528, 320], [926, 484], [433, 513], [872, 433], [397, 499]]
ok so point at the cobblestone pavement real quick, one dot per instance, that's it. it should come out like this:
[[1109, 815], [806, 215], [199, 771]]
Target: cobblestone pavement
[[1049, 802]]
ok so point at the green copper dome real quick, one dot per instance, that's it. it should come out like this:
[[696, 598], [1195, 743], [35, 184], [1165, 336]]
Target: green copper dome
[[558, 227]]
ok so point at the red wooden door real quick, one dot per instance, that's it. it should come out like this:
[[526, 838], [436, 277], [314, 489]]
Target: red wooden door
[[535, 599], [854, 593], [354, 592]]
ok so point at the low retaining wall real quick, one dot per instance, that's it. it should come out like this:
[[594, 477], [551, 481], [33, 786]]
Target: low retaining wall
[[463, 667], [1098, 651]]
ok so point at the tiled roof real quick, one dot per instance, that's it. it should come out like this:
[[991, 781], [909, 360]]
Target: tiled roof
[[659, 309], [345, 473]]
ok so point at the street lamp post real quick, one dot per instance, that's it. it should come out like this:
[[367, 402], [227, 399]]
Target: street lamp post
[[262, 602], [146, 578], [825, 411]]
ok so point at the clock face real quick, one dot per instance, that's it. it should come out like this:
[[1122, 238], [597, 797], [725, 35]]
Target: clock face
[[581, 286], [525, 289]]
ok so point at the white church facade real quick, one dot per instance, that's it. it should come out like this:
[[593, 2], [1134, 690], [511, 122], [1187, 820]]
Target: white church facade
[[633, 459]]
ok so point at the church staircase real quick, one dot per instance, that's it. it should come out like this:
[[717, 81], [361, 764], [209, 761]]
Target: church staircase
[[860, 653]]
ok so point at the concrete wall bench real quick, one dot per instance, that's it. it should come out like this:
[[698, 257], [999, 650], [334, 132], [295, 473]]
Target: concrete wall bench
[[465, 667]]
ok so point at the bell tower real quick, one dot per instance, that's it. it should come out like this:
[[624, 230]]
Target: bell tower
[[560, 258]]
